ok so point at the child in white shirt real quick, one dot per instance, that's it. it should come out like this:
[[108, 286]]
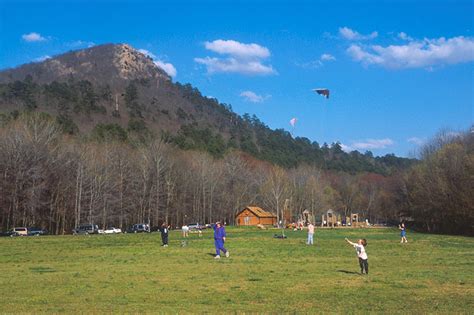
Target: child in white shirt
[[363, 259]]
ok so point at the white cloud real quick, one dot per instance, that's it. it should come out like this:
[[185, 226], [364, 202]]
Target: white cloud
[[327, 57], [167, 67], [317, 63], [254, 97], [346, 148], [416, 54], [350, 34], [370, 144], [42, 58], [232, 65], [453, 134], [236, 49], [33, 37], [81, 43], [237, 58], [404, 36], [147, 53], [311, 64], [416, 140]]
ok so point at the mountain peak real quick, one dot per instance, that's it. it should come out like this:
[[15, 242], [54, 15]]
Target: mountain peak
[[133, 64], [109, 63]]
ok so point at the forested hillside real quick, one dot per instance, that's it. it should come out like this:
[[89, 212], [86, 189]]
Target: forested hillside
[[113, 92]]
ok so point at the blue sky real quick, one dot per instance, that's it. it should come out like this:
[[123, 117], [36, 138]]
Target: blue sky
[[398, 71]]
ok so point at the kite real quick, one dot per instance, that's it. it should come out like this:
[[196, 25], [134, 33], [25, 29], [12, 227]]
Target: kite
[[323, 92], [293, 122]]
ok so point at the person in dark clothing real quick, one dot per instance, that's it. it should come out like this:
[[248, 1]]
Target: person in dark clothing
[[164, 229]]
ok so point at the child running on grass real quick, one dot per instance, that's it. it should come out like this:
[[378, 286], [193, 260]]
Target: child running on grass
[[360, 249]]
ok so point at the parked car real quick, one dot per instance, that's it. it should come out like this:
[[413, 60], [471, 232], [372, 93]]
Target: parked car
[[112, 230], [8, 233], [20, 231], [139, 228], [36, 231], [195, 226], [86, 229]]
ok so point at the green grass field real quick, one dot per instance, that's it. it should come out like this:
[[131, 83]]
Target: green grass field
[[132, 273]]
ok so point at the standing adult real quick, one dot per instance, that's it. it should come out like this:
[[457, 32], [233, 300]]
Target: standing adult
[[164, 229], [219, 239], [403, 233], [310, 234]]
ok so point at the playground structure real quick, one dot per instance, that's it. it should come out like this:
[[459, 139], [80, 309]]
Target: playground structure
[[307, 217], [333, 219], [329, 219], [354, 220]]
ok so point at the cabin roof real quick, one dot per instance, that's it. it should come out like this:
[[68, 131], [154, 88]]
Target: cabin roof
[[259, 212]]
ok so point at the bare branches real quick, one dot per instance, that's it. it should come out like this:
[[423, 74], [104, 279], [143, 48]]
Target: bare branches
[[59, 182]]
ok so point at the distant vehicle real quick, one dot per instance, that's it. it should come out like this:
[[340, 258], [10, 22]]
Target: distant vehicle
[[20, 231], [140, 228], [36, 231], [86, 229], [112, 230], [195, 226], [8, 233]]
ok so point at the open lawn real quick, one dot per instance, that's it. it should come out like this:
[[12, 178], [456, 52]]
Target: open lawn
[[132, 273]]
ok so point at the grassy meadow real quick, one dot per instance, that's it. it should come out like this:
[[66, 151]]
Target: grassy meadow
[[132, 273]]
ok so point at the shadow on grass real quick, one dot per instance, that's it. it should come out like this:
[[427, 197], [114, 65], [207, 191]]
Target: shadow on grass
[[42, 269], [348, 272], [211, 254]]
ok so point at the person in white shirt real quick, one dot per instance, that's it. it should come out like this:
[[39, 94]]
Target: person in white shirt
[[185, 230], [310, 233], [363, 259]]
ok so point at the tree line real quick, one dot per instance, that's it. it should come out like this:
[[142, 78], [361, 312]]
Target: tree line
[[58, 181], [440, 189]]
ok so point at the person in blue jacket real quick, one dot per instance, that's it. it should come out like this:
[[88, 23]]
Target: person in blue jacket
[[219, 239]]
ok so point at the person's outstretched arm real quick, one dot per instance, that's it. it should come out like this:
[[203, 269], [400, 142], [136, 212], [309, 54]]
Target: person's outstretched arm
[[349, 242]]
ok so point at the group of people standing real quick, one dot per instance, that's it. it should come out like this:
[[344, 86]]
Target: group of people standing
[[219, 237]]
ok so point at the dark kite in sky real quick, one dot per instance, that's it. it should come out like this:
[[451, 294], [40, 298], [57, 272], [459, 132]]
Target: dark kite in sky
[[323, 92]]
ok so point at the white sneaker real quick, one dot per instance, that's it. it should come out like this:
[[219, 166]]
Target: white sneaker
[[227, 254], [217, 257]]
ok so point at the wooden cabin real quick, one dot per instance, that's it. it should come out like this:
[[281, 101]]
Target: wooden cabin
[[254, 216]]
